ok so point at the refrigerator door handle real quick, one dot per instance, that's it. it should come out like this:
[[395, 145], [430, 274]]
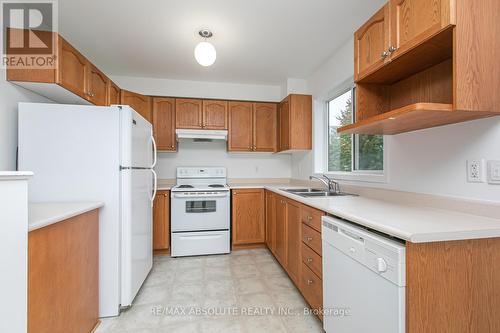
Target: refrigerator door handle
[[155, 186], [154, 151]]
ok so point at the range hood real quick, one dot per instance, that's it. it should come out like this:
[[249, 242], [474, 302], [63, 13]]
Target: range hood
[[201, 135]]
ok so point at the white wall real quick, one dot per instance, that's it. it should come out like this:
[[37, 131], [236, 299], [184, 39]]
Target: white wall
[[10, 95], [239, 165], [250, 165], [199, 89], [431, 161]]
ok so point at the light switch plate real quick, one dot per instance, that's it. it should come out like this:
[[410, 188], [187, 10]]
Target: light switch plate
[[494, 172], [475, 171]]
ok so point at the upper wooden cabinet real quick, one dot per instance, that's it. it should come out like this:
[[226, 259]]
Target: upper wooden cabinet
[[252, 126], [414, 21], [74, 80], [97, 88], [371, 43], [215, 115], [248, 224], [73, 70], [295, 123], [240, 136], [188, 113], [164, 123], [140, 103], [265, 125], [113, 93], [440, 66]]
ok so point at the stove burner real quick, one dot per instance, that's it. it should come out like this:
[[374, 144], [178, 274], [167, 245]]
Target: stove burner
[[185, 186], [216, 186]]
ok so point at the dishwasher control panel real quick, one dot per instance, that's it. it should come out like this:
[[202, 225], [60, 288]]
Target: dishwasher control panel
[[382, 255]]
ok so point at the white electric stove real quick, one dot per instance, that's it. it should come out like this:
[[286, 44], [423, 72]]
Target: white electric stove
[[200, 212]]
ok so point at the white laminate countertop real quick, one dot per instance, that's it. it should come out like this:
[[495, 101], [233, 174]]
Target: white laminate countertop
[[42, 214], [413, 223]]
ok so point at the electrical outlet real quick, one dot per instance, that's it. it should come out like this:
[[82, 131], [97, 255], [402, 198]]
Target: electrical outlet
[[475, 171], [494, 172]]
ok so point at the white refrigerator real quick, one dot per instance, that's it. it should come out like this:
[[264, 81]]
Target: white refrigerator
[[96, 153]]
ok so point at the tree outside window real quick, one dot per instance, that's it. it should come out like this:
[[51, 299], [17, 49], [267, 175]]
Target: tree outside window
[[348, 152]]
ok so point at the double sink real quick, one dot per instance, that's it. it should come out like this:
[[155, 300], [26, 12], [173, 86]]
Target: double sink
[[313, 192]]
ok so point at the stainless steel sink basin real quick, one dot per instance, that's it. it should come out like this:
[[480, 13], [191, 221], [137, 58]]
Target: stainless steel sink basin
[[324, 194], [303, 190], [312, 192]]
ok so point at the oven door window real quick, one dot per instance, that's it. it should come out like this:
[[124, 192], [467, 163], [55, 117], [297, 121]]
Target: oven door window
[[203, 206]]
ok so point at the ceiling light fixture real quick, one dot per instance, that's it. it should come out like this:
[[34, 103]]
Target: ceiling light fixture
[[204, 52]]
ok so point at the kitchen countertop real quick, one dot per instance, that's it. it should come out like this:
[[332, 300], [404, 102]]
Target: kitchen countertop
[[413, 223], [42, 214]]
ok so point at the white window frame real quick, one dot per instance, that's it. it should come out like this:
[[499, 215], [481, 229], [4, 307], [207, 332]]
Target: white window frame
[[372, 176]]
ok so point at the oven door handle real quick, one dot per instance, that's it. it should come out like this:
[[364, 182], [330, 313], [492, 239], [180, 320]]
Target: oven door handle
[[192, 196]]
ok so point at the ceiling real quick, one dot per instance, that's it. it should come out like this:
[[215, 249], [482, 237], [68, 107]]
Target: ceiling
[[257, 41]]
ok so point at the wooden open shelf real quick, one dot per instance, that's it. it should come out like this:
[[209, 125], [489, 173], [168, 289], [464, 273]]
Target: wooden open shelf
[[411, 118]]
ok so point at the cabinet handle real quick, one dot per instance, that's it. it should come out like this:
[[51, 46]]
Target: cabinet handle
[[309, 218], [309, 282], [309, 239], [392, 49], [384, 54], [309, 259]]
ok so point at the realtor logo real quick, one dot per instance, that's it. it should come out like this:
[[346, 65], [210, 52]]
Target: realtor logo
[[28, 34]]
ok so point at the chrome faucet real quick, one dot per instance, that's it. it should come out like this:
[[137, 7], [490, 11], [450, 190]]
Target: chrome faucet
[[332, 185]]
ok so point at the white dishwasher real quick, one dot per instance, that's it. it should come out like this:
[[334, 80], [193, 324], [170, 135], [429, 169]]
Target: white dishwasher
[[363, 280]]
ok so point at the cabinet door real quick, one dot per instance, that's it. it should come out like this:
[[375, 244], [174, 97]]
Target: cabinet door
[[73, 70], [164, 123], [240, 126], [215, 115], [248, 217], [414, 21], [271, 221], [97, 87], [371, 44], [188, 113], [161, 221], [265, 127], [140, 103], [284, 125], [293, 240], [113, 93], [281, 245]]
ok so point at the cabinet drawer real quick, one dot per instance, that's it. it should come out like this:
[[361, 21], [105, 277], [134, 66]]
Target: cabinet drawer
[[312, 238], [312, 217], [312, 287], [312, 260]]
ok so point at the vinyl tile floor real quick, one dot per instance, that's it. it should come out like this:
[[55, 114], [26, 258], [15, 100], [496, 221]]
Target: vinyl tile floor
[[246, 291]]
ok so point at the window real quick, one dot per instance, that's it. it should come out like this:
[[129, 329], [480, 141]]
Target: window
[[347, 152]]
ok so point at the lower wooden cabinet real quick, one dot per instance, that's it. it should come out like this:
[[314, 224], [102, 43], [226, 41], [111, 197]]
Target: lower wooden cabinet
[[63, 276], [271, 221], [294, 237], [248, 220], [281, 243], [161, 221], [293, 240]]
